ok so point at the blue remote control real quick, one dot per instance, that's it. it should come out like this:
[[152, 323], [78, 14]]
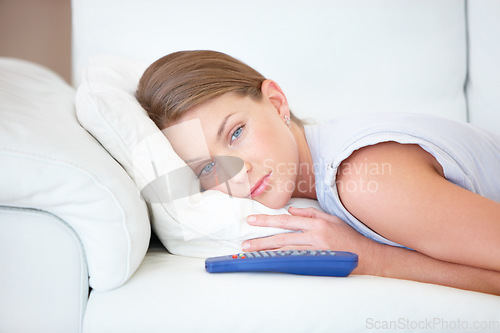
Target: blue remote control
[[304, 262]]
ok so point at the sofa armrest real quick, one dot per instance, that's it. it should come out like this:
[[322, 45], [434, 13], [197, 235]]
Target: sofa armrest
[[48, 162], [44, 280]]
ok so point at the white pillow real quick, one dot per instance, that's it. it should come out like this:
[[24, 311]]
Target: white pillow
[[49, 162], [198, 224]]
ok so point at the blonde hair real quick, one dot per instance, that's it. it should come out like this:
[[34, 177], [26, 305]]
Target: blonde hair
[[183, 80]]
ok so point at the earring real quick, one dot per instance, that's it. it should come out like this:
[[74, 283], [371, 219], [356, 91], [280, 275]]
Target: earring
[[287, 121]]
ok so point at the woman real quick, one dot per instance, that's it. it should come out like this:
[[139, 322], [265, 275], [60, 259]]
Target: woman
[[420, 195]]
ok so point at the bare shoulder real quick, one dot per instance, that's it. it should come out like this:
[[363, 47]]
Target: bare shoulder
[[399, 192], [387, 154], [387, 160], [381, 183]]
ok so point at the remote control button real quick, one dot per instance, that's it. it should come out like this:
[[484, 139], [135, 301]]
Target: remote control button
[[272, 253], [234, 256], [257, 254], [264, 253]]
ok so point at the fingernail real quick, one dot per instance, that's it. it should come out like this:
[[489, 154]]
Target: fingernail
[[245, 246], [251, 219]]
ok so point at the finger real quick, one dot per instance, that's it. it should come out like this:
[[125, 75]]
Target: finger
[[289, 239], [284, 221], [312, 212], [295, 247]]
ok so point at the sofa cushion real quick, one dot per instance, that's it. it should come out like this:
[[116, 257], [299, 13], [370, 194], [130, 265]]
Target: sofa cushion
[[275, 302], [49, 162], [330, 57]]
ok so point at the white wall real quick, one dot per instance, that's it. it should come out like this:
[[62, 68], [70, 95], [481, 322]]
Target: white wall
[[39, 31]]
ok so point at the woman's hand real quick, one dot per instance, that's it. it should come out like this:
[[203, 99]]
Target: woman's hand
[[318, 231]]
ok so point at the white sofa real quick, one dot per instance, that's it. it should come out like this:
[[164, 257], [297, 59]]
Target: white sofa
[[75, 246]]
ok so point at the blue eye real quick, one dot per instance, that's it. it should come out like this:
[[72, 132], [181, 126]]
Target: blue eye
[[236, 133], [207, 169]]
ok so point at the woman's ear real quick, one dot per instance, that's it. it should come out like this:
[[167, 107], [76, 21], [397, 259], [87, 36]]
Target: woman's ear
[[272, 92]]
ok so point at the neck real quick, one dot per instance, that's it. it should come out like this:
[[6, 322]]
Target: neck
[[305, 183]]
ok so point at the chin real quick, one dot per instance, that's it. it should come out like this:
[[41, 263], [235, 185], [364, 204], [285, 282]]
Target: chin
[[274, 203]]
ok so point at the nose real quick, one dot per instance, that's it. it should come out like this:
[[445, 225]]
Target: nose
[[241, 175], [248, 166]]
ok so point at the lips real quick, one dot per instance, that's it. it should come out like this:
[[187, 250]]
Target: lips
[[260, 186]]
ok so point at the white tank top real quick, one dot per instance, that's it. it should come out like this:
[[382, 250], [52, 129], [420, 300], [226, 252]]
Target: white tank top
[[469, 156]]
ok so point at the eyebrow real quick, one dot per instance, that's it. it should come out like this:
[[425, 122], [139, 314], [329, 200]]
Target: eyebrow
[[222, 125]]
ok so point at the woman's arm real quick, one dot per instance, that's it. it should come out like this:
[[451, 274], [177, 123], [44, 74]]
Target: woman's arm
[[319, 230], [405, 264], [411, 203]]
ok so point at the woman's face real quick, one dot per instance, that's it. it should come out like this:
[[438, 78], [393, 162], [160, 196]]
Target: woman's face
[[248, 150]]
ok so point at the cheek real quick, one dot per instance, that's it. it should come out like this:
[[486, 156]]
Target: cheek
[[274, 140], [285, 169], [287, 155], [237, 186], [221, 187]]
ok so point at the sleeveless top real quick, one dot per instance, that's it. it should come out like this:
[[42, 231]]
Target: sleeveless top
[[469, 156]]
